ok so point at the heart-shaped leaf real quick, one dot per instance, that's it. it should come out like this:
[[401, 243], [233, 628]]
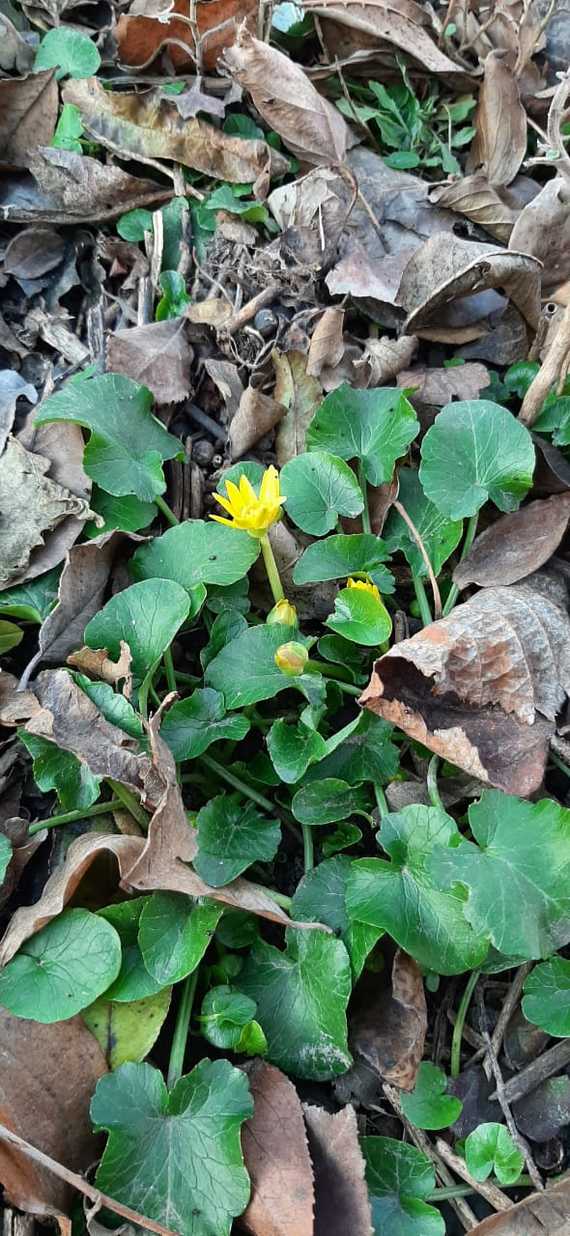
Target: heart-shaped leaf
[[32, 600], [428, 1105], [399, 1177], [476, 451], [245, 670], [368, 754], [197, 552], [292, 748], [319, 487], [146, 616], [55, 769], [324, 802], [375, 426], [224, 1015], [61, 969], [174, 933], [133, 981], [321, 898], [232, 836], [72, 53], [127, 1031], [440, 535], [128, 445], [339, 556], [490, 1148], [546, 1000], [361, 617], [128, 513], [10, 636], [193, 724]]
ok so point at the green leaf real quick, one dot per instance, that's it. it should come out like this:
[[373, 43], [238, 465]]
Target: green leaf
[[114, 706], [310, 983], [321, 898], [128, 514], [127, 1031], [128, 445], [174, 933], [133, 981], [224, 1014], [428, 1105], [5, 856], [319, 487], [225, 627], [174, 220], [522, 857], [375, 426], [62, 969], [134, 223], [10, 636], [292, 748], [476, 451], [439, 534], [174, 298], [328, 800], [68, 129], [176, 1155], [361, 617], [342, 652], [72, 53], [237, 929], [231, 836], [490, 1148], [33, 600], [238, 124], [344, 836], [245, 670], [224, 198], [233, 596], [197, 552], [399, 1177], [193, 724], [55, 769], [546, 1000], [368, 754], [146, 616], [420, 908], [339, 556]]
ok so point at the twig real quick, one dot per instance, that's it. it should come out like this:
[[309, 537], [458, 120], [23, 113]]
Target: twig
[[507, 1113], [249, 310], [509, 1005], [418, 1137], [437, 607], [77, 1181], [528, 1079], [553, 369], [492, 1194]]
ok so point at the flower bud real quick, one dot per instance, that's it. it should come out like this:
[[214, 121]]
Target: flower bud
[[291, 659], [283, 612]]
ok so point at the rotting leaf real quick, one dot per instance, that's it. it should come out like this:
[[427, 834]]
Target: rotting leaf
[[387, 1033], [277, 1157], [66, 187], [301, 395], [157, 355], [32, 504], [327, 343], [440, 386], [500, 120], [539, 1214], [543, 229], [257, 414], [127, 1031], [374, 24], [516, 545], [29, 107], [492, 208], [341, 1196]]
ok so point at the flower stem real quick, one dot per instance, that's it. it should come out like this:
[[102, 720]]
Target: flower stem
[[169, 515], [180, 1036], [421, 598], [308, 853], [366, 525], [469, 538], [460, 1022], [381, 801], [272, 569], [169, 670], [432, 786], [130, 803], [69, 817], [335, 674], [237, 783]]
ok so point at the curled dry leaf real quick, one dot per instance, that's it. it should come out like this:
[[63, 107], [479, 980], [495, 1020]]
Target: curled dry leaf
[[97, 664], [23, 849], [327, 343], [401, 23], [157, 355], [257, 415], [32, 504], [12, 387], [543, 230], [540, 1214], [277, 1157], [387, 357], [15, 706], [149, 126], [140, 36], [500, 142], [341, 1194], [388, 1034], [440, 386], [516, 545], [301, 394], [312, 212], [28, 115], [485, 204], [65, 187], [47, 1079], [280, 90], [33, 252]]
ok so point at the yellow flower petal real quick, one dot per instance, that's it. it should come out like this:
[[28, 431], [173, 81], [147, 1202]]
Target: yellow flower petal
[[225, 502], [220, 520]]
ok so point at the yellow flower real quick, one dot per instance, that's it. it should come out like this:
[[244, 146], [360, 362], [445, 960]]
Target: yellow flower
[[291, 659], [247, 511], [366, 585]]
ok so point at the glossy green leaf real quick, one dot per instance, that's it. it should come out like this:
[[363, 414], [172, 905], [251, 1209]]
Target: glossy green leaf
[[319, 487], [176, 1155], [554, 418], [476, 451], [321, 898], [62, 969], [231, 836], [127, 446], [375, 426], [128, 514], [245, 670], [133, 981], [174, 297], [310, 983], [134, 223], [224, 1014], [368, 754], [292, 748], [339, 556], [174, 933], [5, 856], [72, 53], [193, 724], [146, 616], [440, 535], [359, 616], [115, 708], [399, 1177], [344, 836], [490, 1148], [32, 600], [428, 1105], [10, 636], [342, 652], [68, 129], [59, 770], [197, 552], [422, 909], [127, 1031], [546, 1000], [226, 626], [328, 800], [237, 929]]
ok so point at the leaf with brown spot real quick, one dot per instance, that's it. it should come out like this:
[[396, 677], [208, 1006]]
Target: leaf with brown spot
[[276, 1154], [543, 230], [540, 1214], [500, 142], [157, 355], [327, 343], [257, 414], [66, 187], [47, 1080], [301, 394], [516, 545], [388, 1033], [440, 386], [32, 505], [28, 111], [342, 1202]]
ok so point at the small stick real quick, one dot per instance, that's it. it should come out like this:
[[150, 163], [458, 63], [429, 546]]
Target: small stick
[[72, 1178], [511, 1125], [553, 369], [528, 1079], [509, 1005], [249, 310], [492, 1194], [418, 1137], [437, 607]]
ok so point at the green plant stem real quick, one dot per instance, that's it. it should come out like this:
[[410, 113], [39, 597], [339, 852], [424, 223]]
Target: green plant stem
[[460, 1022], [280, 899], [559, 763], [180, 1036], [237, 783], [421, 598], [469, 538], [69, 817], [308, 852], [129, 802], [366, 525], [451, 1191], [169, 670], [381, 801], [190, 680], [144, 689], [272, 569], [169, 515], [335, 675], [432, 786]]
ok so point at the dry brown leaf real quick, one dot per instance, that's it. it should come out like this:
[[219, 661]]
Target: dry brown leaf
[[301, 394], [276, 1154], [23, 849], [15, 53], [540, 1214], [211, 312], [388, 1033], [47, 1079], [12, 387], [32, 504], [543, 230], [516, 545], [401, 23], [28, 115], [33, 252], [552, 471], [140, 36], [288, 102], [350, 369], [342, 1202], [312, 212], [15, 706], [440, 386], [96, 663], [485, 204], [157, 355], [227, 381], [65, 187], [500, 142], [327, 343], [149, 126], [387, 357], [257, 415]]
